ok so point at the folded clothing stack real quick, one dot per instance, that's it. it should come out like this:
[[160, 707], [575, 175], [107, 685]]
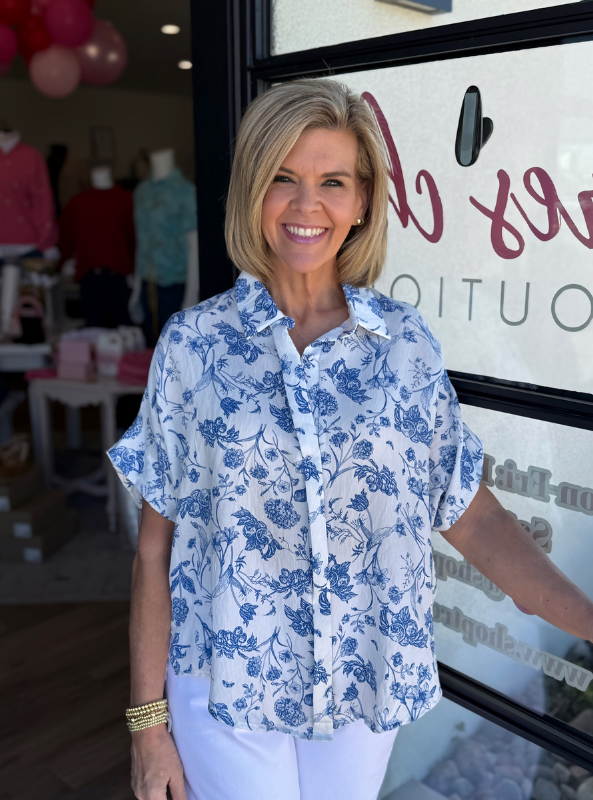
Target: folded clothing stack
[[75, 359], [87, 352], [134, 367], [109, 349]]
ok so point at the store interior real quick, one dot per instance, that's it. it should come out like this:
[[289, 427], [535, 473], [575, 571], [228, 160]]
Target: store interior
[[98, 247]]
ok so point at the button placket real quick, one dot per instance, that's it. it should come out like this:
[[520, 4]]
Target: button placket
[[309, 444]]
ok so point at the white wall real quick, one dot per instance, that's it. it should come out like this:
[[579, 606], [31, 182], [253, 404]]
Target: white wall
[[138, 119]]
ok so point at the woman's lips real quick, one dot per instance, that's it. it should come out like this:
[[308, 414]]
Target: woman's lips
[[294, 237]]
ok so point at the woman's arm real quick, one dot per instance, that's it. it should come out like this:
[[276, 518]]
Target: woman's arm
[[155, 762], [495, 543]]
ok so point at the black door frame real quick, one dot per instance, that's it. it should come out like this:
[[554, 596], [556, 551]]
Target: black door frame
[[232, 65]]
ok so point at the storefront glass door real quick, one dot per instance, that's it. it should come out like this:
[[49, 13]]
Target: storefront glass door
[[496, 255]]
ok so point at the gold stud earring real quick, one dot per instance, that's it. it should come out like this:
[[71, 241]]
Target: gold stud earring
[[359, 220]]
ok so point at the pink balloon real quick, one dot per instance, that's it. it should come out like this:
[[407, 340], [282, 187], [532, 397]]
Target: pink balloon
[[8, 44], [55, 71], [5, 68], [105, 56], [69, 22]]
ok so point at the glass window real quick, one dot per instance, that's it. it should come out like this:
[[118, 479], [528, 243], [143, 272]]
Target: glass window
[[543, 474], [496, 255], [453, 753], [306, 24]]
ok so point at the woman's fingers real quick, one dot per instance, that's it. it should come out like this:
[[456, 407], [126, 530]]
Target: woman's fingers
[[156, 766], [177, 788]]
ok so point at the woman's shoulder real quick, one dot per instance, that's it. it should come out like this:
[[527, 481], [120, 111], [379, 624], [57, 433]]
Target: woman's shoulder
[[207, 316], [404, 321]]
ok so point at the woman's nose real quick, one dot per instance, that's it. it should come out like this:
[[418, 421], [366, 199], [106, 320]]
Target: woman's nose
[[306, 198]]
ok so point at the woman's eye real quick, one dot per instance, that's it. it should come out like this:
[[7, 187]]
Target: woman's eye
[[281, 179], [333, 182]]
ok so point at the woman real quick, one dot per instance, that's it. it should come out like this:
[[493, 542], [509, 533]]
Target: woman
[[298, 440]]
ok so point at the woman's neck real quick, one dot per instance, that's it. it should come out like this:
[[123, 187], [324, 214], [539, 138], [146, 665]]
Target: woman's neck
[[314, 300], [301, 295]]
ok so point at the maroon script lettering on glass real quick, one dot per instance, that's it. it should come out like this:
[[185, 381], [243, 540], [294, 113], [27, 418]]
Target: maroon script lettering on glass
[[402, 208], [556, 211], [499, 223], [548, 198]]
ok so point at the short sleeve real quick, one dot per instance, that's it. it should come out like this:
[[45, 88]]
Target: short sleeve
[[150, 458], [456, 458]]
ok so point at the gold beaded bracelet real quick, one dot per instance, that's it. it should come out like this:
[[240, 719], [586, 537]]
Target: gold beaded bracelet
[[148, 715], [149, 723]]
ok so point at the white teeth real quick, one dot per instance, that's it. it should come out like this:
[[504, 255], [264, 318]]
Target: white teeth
[[304, 231]]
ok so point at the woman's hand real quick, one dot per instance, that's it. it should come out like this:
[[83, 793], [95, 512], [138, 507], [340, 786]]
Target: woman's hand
[[156, 765]]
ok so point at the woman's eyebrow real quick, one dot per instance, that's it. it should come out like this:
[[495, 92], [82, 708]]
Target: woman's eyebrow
[[338, 174]]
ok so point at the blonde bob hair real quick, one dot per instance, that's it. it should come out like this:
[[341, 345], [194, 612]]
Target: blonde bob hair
[[269, 130]]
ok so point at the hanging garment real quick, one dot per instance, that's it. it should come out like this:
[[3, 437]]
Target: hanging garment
[[97, 229], [165, 212], [27, 214]]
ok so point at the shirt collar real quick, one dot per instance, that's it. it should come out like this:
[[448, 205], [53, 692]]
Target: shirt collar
[[258, 311]]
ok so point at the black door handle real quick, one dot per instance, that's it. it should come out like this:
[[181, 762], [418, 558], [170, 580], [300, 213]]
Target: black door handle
[[473, 130]]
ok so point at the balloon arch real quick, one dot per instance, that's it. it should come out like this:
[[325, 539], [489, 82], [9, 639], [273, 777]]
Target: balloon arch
[[62, 43]]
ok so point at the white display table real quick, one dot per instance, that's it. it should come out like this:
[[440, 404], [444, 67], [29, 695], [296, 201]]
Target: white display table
[[74, 395]]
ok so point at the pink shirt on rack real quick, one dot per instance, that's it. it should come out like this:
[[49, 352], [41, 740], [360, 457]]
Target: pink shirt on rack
[[27, 214]]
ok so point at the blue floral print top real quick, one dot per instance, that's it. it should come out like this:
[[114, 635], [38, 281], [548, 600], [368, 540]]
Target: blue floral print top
[[303, 490]]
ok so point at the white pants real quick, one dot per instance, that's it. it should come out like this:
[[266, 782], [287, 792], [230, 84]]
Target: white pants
[[222, 763]]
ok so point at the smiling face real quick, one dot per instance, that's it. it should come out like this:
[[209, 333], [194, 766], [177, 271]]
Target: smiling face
[[313, 201]]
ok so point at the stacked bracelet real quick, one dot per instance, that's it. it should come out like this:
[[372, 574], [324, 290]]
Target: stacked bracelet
[[148, 715]]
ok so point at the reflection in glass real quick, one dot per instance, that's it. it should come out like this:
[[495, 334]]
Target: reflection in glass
[[542, 473], [452, 753]]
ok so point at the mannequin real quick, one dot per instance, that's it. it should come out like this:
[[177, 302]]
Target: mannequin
[[27, 222], [162, 164], [102, 178], [166, 232], [97, 239]]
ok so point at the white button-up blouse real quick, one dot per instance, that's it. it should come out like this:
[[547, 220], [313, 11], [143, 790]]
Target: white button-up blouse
[[303, 490]]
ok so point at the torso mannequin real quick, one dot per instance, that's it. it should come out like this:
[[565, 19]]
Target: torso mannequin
[[97, 238], [162, 164], [102, 178], [9, 139]]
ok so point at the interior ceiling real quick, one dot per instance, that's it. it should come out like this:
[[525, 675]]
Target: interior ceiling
[[152, 56]]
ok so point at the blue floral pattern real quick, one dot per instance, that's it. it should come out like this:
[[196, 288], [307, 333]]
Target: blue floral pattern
[[304, 489]]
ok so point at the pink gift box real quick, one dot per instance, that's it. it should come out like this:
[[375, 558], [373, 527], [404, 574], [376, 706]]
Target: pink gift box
[[75, 351], [74, 371]]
